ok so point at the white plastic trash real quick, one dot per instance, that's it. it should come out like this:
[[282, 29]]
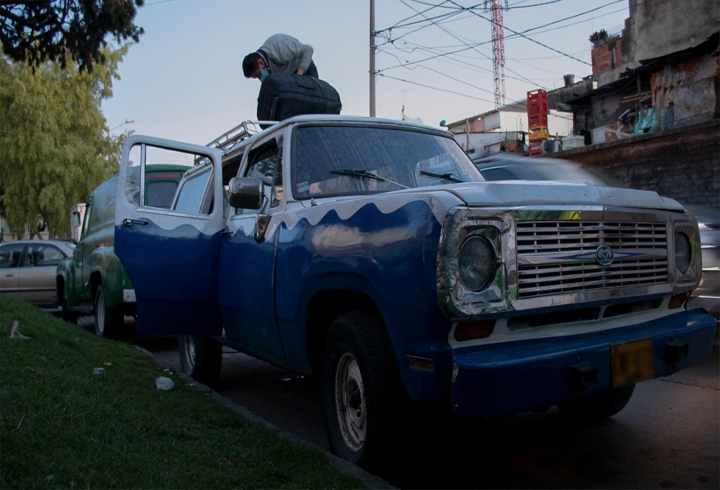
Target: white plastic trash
[[163, 383]]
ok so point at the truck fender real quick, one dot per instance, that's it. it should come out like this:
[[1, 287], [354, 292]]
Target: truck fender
[[107, 269]]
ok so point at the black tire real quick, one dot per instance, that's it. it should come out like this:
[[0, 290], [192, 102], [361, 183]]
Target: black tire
[[108, 321], [359, 362], [200, 358], [67, 314], [599, 407]]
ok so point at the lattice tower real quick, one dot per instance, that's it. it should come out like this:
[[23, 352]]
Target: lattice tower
[[498, 37]]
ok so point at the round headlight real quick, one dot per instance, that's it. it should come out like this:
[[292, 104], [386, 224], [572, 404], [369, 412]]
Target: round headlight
[[476, 263], [683, 252]]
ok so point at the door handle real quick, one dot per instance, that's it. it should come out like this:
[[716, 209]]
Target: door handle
[[130, 221]]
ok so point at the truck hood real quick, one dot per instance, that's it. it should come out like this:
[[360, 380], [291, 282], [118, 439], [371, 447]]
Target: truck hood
[[550, 193]]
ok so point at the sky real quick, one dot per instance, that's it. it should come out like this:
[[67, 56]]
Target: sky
[[183, 80]]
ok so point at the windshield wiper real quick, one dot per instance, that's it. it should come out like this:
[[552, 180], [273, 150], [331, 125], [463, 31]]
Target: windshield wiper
[[364, 174], [442, 176]]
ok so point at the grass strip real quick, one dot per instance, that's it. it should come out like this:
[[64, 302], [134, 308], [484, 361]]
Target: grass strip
[[61, 426]]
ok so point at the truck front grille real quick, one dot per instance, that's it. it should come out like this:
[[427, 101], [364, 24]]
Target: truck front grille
[[558, 257]]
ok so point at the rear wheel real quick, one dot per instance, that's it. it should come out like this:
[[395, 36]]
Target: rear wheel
[[361, 390], [108, 321], [200, 358], [599, 407]]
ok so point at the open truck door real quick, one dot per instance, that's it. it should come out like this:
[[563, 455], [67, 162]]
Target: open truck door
[[171, 255]]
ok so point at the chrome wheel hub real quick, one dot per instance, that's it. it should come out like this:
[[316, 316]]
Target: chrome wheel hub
[[350, 405], [190, 351]]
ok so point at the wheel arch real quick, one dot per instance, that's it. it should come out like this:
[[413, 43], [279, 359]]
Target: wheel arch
[[323, 308], [110, 272], [64, 278]]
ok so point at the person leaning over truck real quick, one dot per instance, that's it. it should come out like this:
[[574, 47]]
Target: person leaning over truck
[[280, 54]]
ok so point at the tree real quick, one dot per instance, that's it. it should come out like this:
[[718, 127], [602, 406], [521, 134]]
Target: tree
[[55, 147], [35, 31]]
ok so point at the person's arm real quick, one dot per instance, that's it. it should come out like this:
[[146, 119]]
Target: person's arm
[[305, 54]]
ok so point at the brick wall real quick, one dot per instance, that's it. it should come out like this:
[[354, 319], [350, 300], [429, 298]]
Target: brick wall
[[681, 163], [607, 56]]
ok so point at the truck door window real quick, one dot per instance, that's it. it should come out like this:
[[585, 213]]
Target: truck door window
[[160, 170], [160, 194], [265, 165], [195, 193], [86, 220], [91, 220]]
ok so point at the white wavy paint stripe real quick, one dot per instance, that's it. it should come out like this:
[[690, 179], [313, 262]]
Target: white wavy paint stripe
[[207, 225], [439, 203]]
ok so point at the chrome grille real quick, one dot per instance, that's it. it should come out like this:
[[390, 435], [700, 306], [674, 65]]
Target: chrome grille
[[557, 257]]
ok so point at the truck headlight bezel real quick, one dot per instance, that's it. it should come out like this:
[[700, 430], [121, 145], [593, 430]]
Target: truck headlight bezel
[[683, 252]]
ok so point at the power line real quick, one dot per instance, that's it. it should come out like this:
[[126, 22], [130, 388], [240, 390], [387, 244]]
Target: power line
[[534, 5], [442, 54], [435, 88], [446, 30], [519, 34], [400, 25], [526, 37], [519, 77], [574, 16]]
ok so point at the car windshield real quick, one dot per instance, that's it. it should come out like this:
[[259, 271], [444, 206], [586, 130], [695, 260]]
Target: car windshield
[[342, 160], [543, 169]]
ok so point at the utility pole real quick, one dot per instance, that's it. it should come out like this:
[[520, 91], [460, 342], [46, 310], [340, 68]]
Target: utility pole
[[372, 58]]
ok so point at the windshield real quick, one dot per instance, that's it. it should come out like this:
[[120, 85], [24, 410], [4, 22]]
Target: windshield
[[543, 169], [342, 160]]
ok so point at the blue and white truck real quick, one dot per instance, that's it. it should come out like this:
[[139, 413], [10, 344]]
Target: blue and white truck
[[371, 254]]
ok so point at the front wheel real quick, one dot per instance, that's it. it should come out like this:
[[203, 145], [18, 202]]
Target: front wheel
[[361, 389], [599, 407], [200, 358], [108, 321], [67, 314]]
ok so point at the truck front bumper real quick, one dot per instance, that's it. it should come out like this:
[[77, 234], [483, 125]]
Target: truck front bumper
[[509, 378]]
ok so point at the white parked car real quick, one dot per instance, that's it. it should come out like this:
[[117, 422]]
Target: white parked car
[[27, 270]]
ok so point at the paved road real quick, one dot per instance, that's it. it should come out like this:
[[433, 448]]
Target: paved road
[[667, 437]]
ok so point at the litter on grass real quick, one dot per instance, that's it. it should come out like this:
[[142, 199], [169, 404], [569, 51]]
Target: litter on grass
[[99, 371], [163, 383], [15, 332]]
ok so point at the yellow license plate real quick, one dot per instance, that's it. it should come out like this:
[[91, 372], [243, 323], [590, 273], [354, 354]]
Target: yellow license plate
[[632, 362]]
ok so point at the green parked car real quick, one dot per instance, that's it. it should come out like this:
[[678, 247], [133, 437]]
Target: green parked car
[[93, 280]]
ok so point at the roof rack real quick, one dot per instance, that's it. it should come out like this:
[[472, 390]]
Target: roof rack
[[239, 133]]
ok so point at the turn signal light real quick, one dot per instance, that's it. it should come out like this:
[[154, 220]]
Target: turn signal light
[[677, 301], [421, 363], [479, 329]]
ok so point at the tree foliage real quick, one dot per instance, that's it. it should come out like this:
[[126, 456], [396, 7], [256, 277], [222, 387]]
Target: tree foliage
[[55, 147], [35, 31]]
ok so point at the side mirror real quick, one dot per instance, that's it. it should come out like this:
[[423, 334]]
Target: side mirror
[[76, 219], [246, 193]]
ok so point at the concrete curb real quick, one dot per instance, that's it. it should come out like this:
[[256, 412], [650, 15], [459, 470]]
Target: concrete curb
[[366, 479]]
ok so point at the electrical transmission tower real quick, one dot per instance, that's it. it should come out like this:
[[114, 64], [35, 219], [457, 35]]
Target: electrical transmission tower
[[498, 49]]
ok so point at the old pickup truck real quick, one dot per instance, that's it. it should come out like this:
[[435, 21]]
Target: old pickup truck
[[372, 254], [93, 280]]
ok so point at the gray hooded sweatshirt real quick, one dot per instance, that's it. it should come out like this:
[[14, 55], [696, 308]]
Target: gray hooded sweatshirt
[[285, 54]]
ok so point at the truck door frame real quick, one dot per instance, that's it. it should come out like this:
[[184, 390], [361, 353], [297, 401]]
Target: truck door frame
[[171, 257]]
